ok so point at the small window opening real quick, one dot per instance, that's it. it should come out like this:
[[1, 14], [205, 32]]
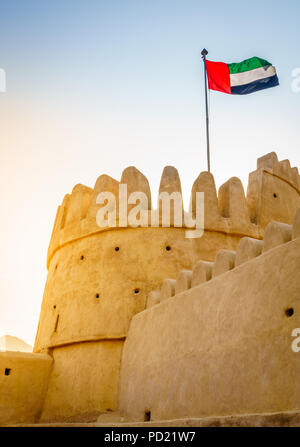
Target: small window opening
[[168, 248], [117, 248], [7, 371], [54, 307], [97, 295], [275, 195], [147, 416], [289, 312], [136, 291], [81, 257]]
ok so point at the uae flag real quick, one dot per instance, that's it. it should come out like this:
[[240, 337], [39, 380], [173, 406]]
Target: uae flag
[[241, 78]]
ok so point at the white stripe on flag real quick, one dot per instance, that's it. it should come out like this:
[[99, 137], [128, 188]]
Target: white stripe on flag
[[250, 76]]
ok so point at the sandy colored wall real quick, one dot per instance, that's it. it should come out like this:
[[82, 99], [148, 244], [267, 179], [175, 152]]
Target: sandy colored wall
[[122, 279], [23, 384], [222, 347], [84, 381]]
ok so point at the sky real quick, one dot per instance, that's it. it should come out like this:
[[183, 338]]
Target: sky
[[94, 86]]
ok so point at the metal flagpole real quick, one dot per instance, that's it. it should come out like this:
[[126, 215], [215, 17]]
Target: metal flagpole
[[204, 52]]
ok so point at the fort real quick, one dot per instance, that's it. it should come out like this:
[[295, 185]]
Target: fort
[[146, 326]]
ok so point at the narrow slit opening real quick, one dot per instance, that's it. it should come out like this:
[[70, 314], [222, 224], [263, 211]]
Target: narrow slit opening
[[56, 323]]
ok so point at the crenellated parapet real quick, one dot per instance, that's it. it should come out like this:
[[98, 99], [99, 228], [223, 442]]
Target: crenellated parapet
[[273, 194], [273, 190]]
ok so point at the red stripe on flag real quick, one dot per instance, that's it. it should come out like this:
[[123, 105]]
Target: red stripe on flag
[[218, 76]]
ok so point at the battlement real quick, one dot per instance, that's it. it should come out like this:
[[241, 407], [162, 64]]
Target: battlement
[[273, 189], [282, 169], [273, 193]]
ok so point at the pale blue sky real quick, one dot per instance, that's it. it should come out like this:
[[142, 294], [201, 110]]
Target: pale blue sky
[[95, 86]]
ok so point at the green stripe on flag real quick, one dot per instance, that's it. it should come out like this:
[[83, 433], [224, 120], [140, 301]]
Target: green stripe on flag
[[248, 64]]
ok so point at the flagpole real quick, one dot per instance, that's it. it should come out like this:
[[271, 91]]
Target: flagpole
[[204, 52]]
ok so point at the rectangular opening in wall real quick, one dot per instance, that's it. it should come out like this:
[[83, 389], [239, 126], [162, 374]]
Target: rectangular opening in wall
[[7, 371], [56, 323], [147, 416]]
